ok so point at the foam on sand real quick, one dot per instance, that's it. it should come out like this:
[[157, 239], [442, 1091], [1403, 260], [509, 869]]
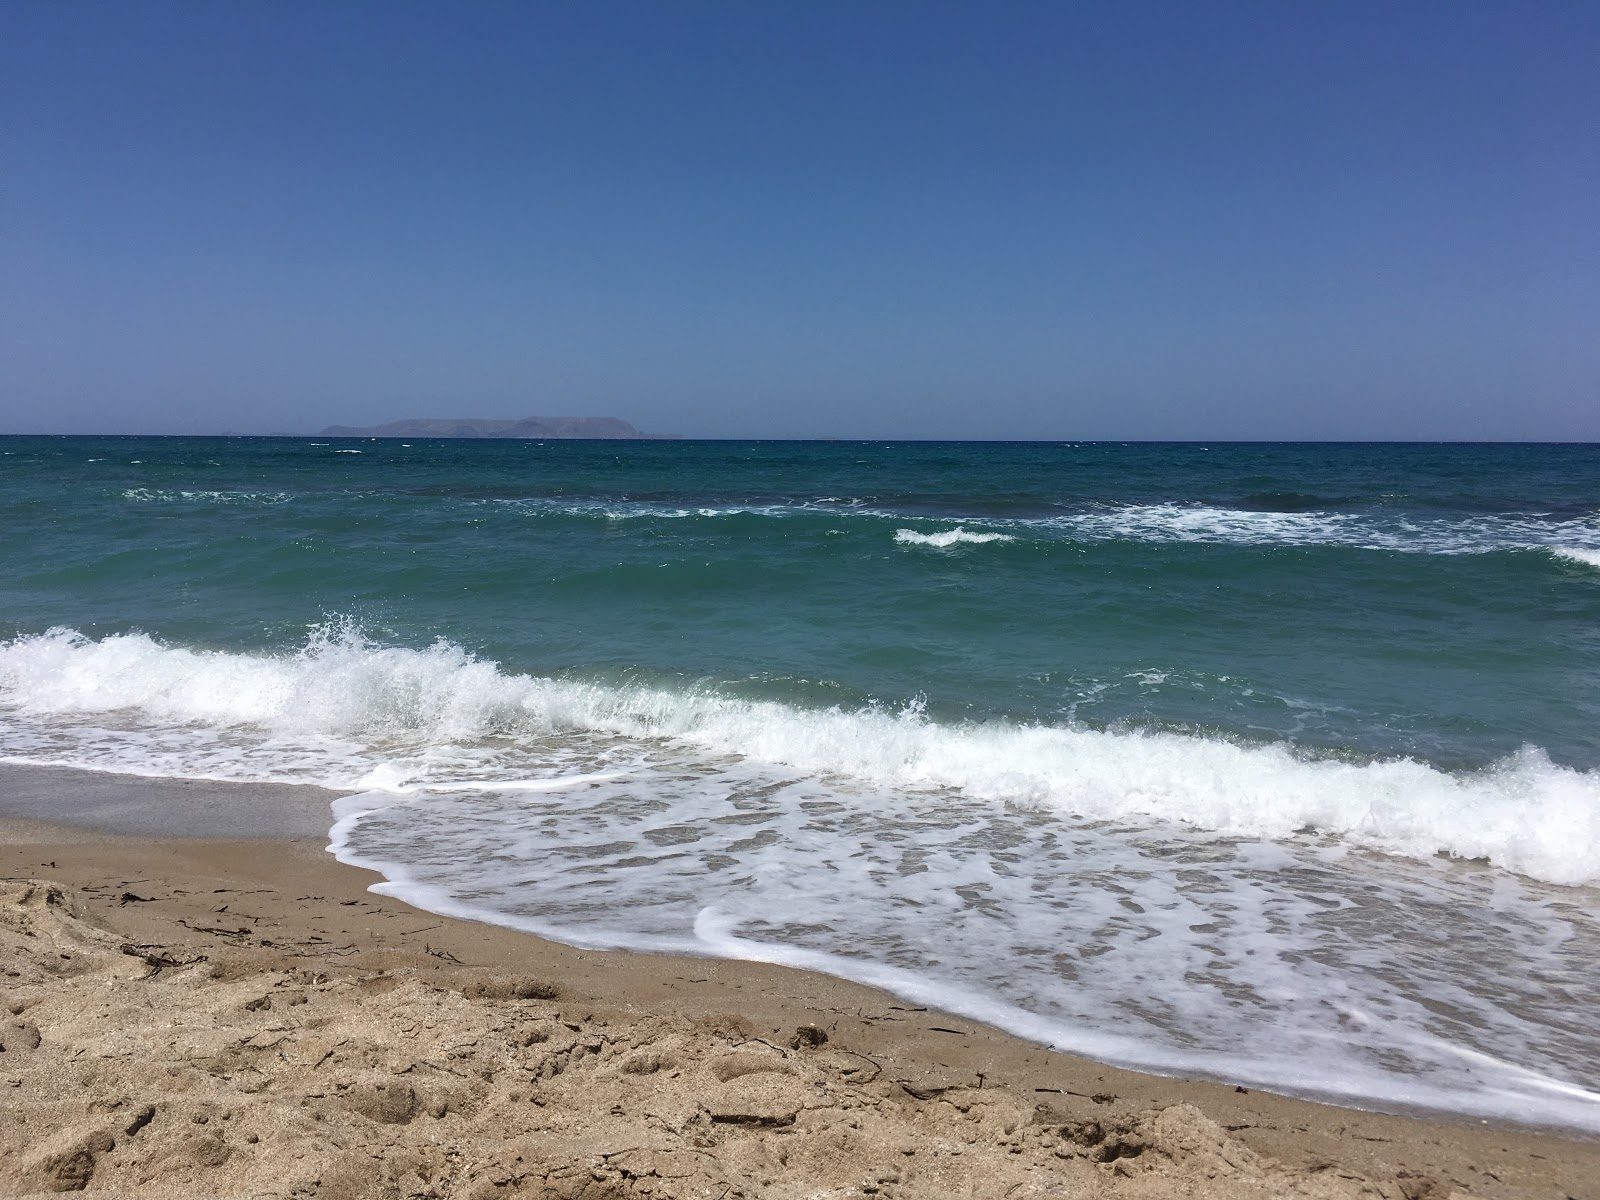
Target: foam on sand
[[1159, 900]]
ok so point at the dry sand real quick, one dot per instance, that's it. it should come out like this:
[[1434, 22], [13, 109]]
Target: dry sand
[[243, 1018]]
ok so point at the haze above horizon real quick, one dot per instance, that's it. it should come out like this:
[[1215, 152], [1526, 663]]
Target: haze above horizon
[[1142, 221]]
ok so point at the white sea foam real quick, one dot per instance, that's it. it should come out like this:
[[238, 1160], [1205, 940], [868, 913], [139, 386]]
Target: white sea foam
[[1589, 558], [165, 496], [1374, 530], [1205, 523], [1525, 814], [1291, 966], [1158, 955], [1149, 899], [635, 510], [946, 538], [1169, 523]]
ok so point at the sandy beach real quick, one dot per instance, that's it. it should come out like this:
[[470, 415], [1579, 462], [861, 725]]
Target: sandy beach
[[235, 1014]]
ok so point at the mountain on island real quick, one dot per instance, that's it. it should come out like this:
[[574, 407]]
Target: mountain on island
[[469, 427]]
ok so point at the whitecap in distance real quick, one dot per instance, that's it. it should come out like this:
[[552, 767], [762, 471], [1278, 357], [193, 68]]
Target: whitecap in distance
[[946, 538]]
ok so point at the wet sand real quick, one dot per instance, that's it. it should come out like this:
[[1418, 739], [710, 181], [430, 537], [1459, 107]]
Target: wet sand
[[232, 1013]]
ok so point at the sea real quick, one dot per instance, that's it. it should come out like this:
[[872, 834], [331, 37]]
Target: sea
[[1276, 764]]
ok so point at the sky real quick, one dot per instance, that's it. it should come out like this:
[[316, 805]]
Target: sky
[[862, 218]]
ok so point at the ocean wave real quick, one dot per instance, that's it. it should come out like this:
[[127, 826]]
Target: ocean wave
[[946, 538], [1195, 523], [1589, 558], [342, 707], [1205, 523], [165, 496], [634, 510], [1253, 523]]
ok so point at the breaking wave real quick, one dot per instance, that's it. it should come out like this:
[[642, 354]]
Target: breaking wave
[[341, 708], [1589, 558], [1162, 524], [948, 537], [166, 496], [1482, 534]]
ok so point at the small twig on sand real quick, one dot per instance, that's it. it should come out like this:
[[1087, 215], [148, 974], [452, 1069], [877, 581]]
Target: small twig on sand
[[155, 957], [322, 950], [877, 1067], [764, 1042], [1097, 1097], [218, 930], [928, 1093]]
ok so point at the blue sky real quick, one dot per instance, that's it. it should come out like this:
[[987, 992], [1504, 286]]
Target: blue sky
[[772, 219]]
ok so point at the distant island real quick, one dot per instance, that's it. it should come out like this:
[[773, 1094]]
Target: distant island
[[469, 427]]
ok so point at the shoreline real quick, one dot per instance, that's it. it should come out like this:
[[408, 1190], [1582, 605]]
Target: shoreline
[[279, 917]]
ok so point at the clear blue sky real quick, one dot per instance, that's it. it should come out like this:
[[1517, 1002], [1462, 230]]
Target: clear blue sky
[[773, 219]]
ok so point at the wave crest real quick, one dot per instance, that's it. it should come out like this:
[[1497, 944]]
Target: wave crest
[[946, 538], [167, 496], [437, 704], [1577, 554]]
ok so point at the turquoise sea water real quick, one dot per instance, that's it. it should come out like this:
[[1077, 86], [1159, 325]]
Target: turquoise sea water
[[1269, 762]]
